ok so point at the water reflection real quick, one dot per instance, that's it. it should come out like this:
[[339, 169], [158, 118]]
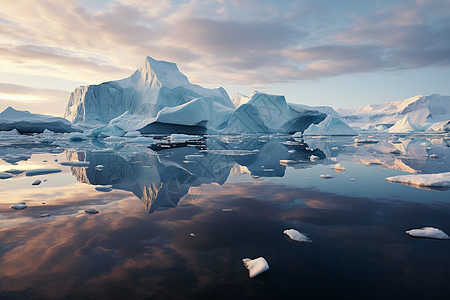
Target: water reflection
[[165, 172]]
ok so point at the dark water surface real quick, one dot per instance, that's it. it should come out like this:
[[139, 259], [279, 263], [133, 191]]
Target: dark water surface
[[139, 245]]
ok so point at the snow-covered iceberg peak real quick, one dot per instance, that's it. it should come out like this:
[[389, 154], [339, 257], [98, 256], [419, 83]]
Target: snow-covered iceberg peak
[[155, 85]]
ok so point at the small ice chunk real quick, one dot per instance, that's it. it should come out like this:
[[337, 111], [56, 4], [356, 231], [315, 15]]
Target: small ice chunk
[[365, 141], [296, 236], [36, 182], [227, 209], [352, 179], [36, 172], [441, 180], [285, 162], [19, 206], [91, 211], [44, 215], [291, 151], [256, 266], [99, 168], [396, 152], [75, 163], [428, 232], [4, 175], [338, 167], [104, 188], [193, 156], [326, 176], [192, 234], [313, 158], [334, 148], [434, 156]]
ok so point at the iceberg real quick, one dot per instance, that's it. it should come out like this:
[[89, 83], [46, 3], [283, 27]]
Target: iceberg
[[266, 113], [238, 99], [296, 236], [18, 121], [4, 175], [154, 86], [256, 266], [403, 126], [428, 232], [439, 180], [332, 125]]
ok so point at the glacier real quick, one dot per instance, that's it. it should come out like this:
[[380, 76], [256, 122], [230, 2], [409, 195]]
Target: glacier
[[421, 112]]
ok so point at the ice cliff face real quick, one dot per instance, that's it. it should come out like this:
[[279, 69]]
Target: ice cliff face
[[154, 86]]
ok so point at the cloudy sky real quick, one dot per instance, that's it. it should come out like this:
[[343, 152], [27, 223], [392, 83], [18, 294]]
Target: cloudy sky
[[339, 53]]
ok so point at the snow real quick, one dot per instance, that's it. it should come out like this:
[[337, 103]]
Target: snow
[[296, 236], [256, 266], [36, 172], [440, 180], [19, 206], [428, 232], [75, 163], [420, 110], [332, 125], [154, 86], [4, 175], [26, 122]]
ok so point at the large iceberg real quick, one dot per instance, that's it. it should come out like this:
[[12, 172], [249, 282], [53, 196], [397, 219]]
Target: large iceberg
[[26, 122], [332, 125], [154, 86], [271, 113]]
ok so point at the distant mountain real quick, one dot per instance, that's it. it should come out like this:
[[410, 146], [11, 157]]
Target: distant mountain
[[419, 110], [154, 86]]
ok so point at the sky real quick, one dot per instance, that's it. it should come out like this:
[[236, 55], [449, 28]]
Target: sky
[[339, 53]]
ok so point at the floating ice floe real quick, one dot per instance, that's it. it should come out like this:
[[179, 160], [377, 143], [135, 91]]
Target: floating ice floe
[[19, 206], [192, 234], [439, 180], [193, 156], [326, 176], [91, 211], [104, 188], [227, 209], [256, 266], [4, 175], [428, 232], [99, 168], [36, 172], [396, 151], [296, 236], [75, 163], [36, 182], [44, 215], [366, 141], [338, 167], [434, 156], [313, 158]]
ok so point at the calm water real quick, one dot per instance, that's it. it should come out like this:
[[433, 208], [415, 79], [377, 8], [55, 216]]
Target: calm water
[[140, 246]]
